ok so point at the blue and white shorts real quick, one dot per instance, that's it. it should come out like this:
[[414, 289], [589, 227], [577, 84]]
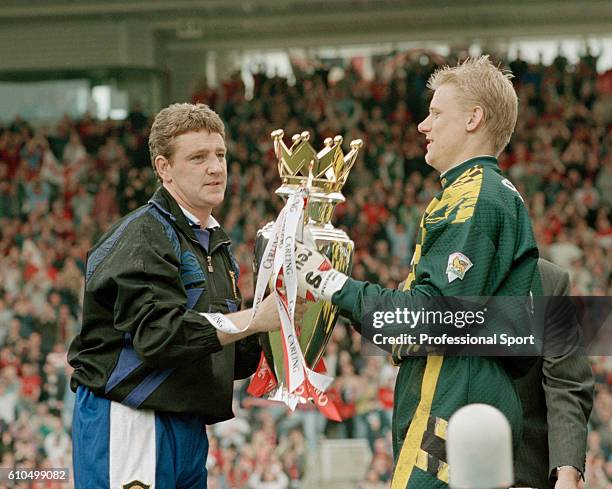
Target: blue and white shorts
[[117, 447]]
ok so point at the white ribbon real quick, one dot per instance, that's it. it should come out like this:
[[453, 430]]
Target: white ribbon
[[281, 252], [222, 322]]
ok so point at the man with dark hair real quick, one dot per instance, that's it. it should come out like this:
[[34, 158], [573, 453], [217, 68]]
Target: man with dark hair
[[557, 397], [152, 366]]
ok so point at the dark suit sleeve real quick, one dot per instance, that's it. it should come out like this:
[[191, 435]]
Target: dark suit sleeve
[[568, 388]]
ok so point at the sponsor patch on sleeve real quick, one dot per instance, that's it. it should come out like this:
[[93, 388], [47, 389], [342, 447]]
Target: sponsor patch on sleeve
[[458, 265]]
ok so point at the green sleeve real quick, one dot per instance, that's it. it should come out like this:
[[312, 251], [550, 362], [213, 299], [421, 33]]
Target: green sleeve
[[431, 272]]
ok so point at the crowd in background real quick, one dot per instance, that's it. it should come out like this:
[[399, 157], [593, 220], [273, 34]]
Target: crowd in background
[[62, 185]]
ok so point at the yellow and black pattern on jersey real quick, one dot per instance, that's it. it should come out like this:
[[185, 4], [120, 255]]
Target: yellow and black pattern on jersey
[[432, 455], [424, 443], [459, 200], [456, 205], [419, 246]]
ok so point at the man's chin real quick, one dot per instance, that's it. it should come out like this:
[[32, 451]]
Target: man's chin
[[215, 202], [431, 161], [215, 193]]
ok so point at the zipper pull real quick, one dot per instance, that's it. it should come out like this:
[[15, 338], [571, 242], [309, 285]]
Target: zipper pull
[[233, 277], [210, 267]]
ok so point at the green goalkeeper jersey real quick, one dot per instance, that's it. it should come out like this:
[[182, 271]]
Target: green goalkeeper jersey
[[475, 239]]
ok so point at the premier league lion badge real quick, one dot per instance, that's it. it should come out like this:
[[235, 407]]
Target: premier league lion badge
[[458, 265]]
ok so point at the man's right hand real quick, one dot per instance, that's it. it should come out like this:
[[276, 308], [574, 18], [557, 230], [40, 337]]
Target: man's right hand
[[237, 325], [267, 318]]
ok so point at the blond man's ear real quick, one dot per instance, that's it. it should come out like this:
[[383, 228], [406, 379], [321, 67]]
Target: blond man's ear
[[476, 119]]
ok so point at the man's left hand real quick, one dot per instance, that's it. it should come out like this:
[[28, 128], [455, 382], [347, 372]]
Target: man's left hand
[[568, 478]]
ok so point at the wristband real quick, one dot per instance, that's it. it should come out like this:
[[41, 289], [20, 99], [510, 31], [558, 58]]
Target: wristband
[[332, 282]]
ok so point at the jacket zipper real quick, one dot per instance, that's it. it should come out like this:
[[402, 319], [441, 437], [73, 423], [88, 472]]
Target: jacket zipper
[[210, 269], [233, 277], [211, 277], [231, 273]]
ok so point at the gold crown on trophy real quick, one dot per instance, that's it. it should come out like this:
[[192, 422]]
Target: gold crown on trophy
[[302, 165]]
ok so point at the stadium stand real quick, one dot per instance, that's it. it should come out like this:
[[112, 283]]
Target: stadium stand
[[62, 185]]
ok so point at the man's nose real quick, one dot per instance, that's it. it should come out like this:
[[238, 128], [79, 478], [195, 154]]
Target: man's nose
[[214, 167], [423, 127]]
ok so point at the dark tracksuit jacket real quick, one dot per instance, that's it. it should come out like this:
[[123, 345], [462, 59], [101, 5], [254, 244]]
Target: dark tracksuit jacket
[[479, 215], [143, 342]]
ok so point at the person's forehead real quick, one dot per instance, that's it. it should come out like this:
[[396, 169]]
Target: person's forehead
[[194, 140], [444, 95]]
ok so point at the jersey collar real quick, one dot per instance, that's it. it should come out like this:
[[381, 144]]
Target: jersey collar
[[449, 176], [166, 204], [195, 222]]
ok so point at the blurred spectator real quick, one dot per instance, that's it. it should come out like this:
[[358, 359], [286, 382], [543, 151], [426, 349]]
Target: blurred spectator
[[37, 196], [57, 445], [269, 476], [105, 203], [61, 187]]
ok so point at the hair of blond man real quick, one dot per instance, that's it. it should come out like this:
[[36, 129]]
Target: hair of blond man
[[482, 84], [177, 119]]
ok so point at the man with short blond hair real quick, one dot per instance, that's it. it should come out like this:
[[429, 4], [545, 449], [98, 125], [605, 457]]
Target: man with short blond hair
[[475, 239], [482, 85], [163, 337]]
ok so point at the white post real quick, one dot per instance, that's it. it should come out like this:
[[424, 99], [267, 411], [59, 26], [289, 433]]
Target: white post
[[479, 448]]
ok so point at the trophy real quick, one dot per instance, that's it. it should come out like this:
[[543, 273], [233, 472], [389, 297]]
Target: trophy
[[323, 175]]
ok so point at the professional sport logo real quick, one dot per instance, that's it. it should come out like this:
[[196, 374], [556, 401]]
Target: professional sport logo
[[458, 265]]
